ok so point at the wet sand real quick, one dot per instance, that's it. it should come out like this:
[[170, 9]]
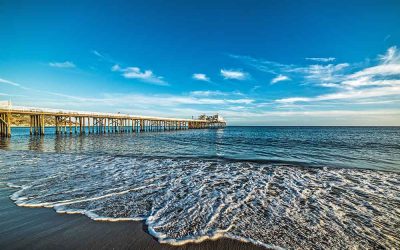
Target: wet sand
[[43, 228]]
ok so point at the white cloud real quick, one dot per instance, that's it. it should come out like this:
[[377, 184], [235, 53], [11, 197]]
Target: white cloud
[[233, 74], [96, 53], [293, 99], [66, 64], [214, 93], [322, 73], [309, 74], [390, 65], [391, 56], [263, 65], [384, 70], [368, 81], [103, 57], [150, 100], [201, 77], [136, 73], [353, 94], [279, 78], [147, 75], [9, 82], [208, 93], [330, 85], [381, 80], [116, 67], [321, 59]]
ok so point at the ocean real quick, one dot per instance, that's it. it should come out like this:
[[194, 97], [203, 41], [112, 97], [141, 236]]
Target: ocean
[[278, 187]]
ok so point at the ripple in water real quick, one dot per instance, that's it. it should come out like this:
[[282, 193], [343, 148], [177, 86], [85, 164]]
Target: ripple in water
[[186, 200]]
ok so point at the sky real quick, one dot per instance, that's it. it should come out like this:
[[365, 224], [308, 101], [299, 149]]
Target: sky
[[253, 62]]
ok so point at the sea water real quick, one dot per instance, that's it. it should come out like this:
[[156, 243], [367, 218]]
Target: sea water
[[279, 187]]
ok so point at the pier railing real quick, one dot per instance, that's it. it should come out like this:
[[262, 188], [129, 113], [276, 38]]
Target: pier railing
[[69, 121]]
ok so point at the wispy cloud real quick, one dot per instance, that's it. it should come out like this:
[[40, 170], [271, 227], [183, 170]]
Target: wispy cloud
[[98, 54], [325, 75], [321, 59], [66, 64], [201, 77], [104, 57], [116, 67], [214, 93], [383, 70], [308, 74], [279, 78], [9, 82], [392, 56], [234, 74], [263, 65], [353, 94], [136, 73], [162, 100], [319, 74], [374, 81]]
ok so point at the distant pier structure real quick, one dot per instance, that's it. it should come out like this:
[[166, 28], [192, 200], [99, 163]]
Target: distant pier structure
[[73, 122]]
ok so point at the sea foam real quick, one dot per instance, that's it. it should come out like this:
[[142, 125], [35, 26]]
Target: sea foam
[[192, 200]]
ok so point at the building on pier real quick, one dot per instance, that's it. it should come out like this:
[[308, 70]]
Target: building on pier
[[212, 118]]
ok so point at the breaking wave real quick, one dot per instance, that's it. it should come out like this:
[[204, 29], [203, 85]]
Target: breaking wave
[[276, 205]]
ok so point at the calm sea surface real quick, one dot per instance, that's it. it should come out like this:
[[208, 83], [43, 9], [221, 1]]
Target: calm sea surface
[[283, 187]]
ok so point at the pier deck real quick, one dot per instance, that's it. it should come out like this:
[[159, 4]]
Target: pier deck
[[90, 122]]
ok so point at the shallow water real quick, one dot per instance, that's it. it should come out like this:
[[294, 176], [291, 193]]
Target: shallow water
[[288, 187]]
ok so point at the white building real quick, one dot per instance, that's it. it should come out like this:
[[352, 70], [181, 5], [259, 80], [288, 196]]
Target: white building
[[213, 118]]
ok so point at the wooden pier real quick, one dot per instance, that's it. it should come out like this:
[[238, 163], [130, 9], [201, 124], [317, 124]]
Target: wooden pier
[[70, 122]]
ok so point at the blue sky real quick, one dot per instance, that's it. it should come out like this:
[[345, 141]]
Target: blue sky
[[254, 62]]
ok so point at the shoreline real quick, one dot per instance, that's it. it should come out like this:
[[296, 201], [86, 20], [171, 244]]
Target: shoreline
[[44, 228]]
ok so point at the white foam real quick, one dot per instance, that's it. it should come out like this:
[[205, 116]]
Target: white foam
[[11, 185], [191, 201]]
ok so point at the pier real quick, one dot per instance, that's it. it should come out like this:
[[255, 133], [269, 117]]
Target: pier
[[74, 122]]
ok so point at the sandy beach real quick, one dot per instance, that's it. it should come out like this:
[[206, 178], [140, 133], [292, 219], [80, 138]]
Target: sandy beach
[[43, 228]]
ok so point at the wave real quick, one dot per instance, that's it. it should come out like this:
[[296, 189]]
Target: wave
[[269, 203]]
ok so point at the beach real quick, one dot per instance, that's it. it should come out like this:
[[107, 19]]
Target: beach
[[43, 228]]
